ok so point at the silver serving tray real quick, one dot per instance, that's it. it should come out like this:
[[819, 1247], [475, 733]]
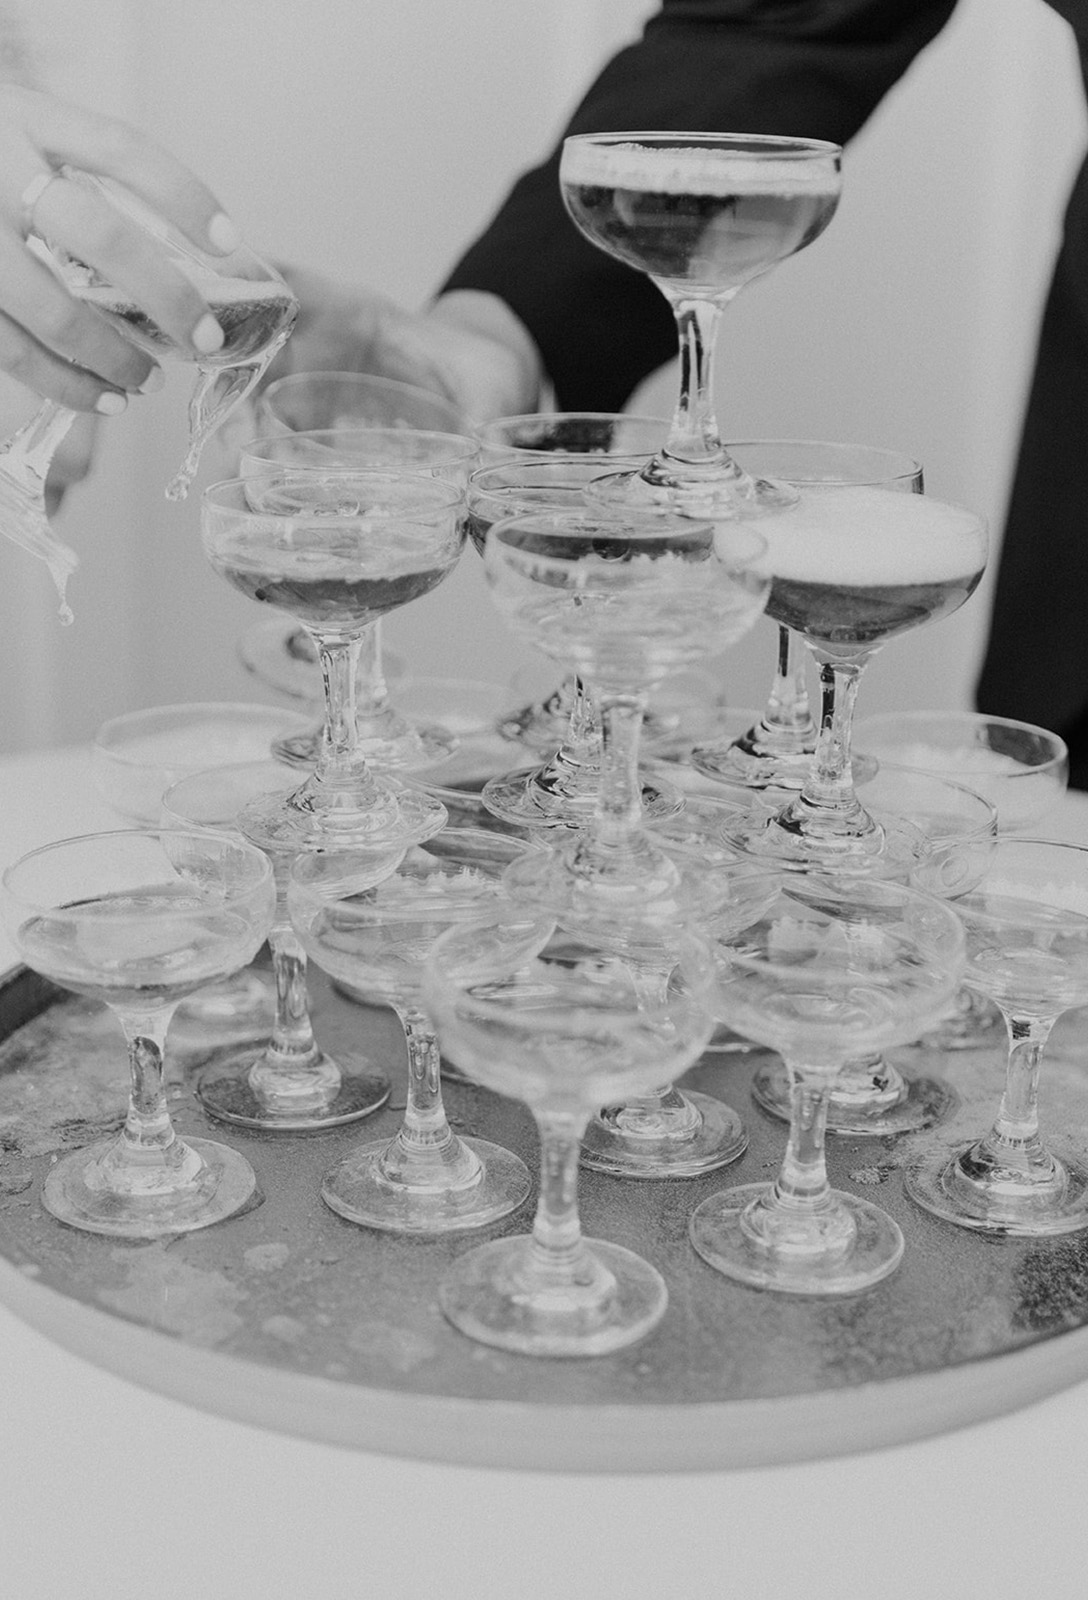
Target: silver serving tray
[[290, 1318]]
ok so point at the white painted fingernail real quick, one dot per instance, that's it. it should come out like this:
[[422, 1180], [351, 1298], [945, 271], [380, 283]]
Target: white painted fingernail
[[207, 336], [153, 382], [223, 234], [110, 403]]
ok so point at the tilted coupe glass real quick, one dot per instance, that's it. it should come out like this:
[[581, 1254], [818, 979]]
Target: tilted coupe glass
[[250, 301], [140, 919], [702, 214]]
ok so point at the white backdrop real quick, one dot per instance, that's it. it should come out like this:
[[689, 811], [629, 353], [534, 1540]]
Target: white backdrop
[[371, 141]]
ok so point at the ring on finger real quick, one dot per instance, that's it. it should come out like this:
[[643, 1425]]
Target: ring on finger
[[31, 196]]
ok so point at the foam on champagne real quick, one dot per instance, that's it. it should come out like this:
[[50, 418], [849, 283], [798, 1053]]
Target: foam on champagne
[[694, 170], [858, 536]]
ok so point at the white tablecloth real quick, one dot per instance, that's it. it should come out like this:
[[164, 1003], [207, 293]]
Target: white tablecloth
[[108, 1490]]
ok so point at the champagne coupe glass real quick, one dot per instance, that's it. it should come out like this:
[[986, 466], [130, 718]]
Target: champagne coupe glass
[[1027, 950], [702, 214], [139, 919], [283, 1081], [777, 751], [566, 1030], [385, 735], [304, 401], [838, 965], [1023, 770], [625, 602], [874, 1096], [854, 567], [669, 1132], [250, 301], [562, 791], [535, 436], [135, 758], [337, 550], [426, 1179]]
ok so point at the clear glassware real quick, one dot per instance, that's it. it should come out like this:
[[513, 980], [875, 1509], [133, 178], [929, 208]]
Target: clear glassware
[[625, 602], [426, 1178], [702, 214], [304, 401], [1023, 770], [138, 920], [250, 301], [135, 758], [777, 750], [562, 791], [385, 735], [565, 1029], [536, 436], [670, 1132], [1026, 923], [873, 1095], [335, 551], [282, 656], [837, 966], [283, 1081], [854, 567]]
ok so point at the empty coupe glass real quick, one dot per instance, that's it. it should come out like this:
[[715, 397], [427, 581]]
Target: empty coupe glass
[[1027, 950], [837, 966], [566, 1030], [138, 920]]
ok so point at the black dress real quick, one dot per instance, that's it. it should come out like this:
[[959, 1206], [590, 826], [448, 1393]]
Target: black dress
[[817, 69]]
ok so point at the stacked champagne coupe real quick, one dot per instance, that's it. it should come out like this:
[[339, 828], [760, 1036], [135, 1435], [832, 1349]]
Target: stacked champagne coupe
[[573, 931]]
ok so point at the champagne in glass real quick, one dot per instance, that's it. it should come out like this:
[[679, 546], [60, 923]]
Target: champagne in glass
[[702, 214], [249, 299]]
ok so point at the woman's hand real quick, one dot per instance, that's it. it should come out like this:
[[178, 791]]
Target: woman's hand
[[64, 350]]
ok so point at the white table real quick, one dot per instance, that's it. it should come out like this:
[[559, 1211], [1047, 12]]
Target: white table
[[108, 1490]]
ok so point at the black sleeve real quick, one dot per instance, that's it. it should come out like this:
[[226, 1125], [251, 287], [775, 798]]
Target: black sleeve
[[808, 68]]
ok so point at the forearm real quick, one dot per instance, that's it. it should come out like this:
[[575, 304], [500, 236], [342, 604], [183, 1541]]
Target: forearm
[[702, 64]]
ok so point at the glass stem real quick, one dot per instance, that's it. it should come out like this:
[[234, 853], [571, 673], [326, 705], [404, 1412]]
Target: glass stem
[[788, 711], [802, 1183], [827, 798], [338, 761], [425, 1127], [148, 1129], [694, 435], [557, 1246], [619, 797], [292, 1044], [371, 690], [1014, 1138]]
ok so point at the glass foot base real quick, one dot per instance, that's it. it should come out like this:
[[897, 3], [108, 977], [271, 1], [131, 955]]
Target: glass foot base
[[747, 762], [923, 1103], [412, 748], [725, 1042], [495, 1295], [852, 1246], [357, 1190], [213, 1183], [670, 486], [938, 1183], [531, 799], [711, 1135], [393, 818], [320, 1099], [892, 850]]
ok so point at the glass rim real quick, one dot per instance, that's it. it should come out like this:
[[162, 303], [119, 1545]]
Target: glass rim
[[553, 518], [484, 429], [206, 836], [912, 467], [466, 445], [788, 145], [968, 719], [435, 495]]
